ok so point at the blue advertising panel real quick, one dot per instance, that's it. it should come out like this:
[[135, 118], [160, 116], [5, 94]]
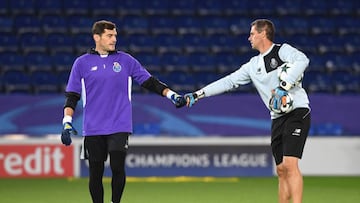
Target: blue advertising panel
[[195, 160], [223, 115]]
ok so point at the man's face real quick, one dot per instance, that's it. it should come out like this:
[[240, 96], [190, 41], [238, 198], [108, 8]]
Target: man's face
[[107, 41], [255, 37]]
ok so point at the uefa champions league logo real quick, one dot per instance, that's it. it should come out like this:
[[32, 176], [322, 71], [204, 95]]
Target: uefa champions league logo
[[116, 67]]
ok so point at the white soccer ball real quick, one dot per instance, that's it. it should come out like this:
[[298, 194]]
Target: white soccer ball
[[285, 106]]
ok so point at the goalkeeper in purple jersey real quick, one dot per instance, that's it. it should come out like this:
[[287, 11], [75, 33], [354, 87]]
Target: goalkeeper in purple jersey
[[102, 78], [275, 74]]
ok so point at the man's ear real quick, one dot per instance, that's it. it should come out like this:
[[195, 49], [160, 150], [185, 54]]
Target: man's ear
[[96, 37]]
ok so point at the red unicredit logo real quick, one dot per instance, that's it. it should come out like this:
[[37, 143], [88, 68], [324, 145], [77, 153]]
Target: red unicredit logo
[[36, 161]]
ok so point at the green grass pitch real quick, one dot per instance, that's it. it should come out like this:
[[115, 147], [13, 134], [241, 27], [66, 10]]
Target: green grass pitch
[[180, 190]]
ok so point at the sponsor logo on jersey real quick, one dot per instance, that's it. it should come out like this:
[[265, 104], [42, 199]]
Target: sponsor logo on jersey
[[297, 132]]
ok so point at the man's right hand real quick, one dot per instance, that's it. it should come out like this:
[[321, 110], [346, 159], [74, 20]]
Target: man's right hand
[[66, 133]]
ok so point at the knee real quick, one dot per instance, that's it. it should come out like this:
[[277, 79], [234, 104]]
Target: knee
[[117, 162], [281, 170]]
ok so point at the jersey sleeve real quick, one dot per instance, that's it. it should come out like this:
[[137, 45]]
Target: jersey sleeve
[[74, 81], [138, 72], [298, 60]]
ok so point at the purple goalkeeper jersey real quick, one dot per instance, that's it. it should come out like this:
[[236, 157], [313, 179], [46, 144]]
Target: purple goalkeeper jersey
[[104, 83]]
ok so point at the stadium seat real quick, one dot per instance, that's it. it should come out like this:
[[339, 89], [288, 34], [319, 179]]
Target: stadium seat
[[215, 25], [21, 7], [195, 43], [4, 8], [57, 42], [205, 78], [240, 25], [202, 62], [52, 7], [235, 8], [295, 25], [315, 8], [79, 24], [17, 82], [346, 82], [45, 82], [150, 61], [188, 25], [304, 42], [261, 7], [289, 8], [319, 83], [348, 25], [134, 24], [12, 61], [168, 43], [36, 61], [209, 7], [52, 23], [62, 61], [322, 25], [338, 8], [181, 82], [175, 62], [27, 23], [82, 42], [6, 24], [142, 43], [162, 25], [182, 8], [157, 7], [9, 42], [130, 7], [98, 8], [227, 62], [78, 7], [220, 43], [32, 42], [317, 63]]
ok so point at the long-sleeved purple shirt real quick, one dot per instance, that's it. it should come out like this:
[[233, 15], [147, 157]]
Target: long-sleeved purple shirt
[[104, 83]]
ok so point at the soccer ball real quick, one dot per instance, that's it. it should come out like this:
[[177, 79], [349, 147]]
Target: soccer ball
[[283, 72], [281, 105]]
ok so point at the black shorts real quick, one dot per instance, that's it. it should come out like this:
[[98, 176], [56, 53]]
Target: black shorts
[[97, 148], [289, 133]]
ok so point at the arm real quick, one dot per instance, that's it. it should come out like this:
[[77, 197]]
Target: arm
[[295, 64], [70, 104], [154, 85], [225, 84]]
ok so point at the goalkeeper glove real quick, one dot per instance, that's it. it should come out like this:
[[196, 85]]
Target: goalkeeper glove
[[67, 131], [192, 98], [176, 99], [280, 101]]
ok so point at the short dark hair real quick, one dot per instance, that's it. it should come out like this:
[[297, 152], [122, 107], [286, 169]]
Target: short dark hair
[[100, 26], [267, 25]]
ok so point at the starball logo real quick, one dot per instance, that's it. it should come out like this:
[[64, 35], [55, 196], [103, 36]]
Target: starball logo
[[36, 161]]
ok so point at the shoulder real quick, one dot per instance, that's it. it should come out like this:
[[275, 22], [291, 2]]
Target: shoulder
[[285, 46]]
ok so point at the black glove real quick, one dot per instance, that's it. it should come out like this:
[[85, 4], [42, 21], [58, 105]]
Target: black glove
[[178, 100], [66, 133]]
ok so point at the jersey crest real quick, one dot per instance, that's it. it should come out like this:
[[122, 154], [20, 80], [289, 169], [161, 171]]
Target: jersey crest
[[272, 59], [116, 67]]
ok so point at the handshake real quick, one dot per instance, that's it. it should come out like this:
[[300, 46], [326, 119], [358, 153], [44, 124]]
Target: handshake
[[188, 99]]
